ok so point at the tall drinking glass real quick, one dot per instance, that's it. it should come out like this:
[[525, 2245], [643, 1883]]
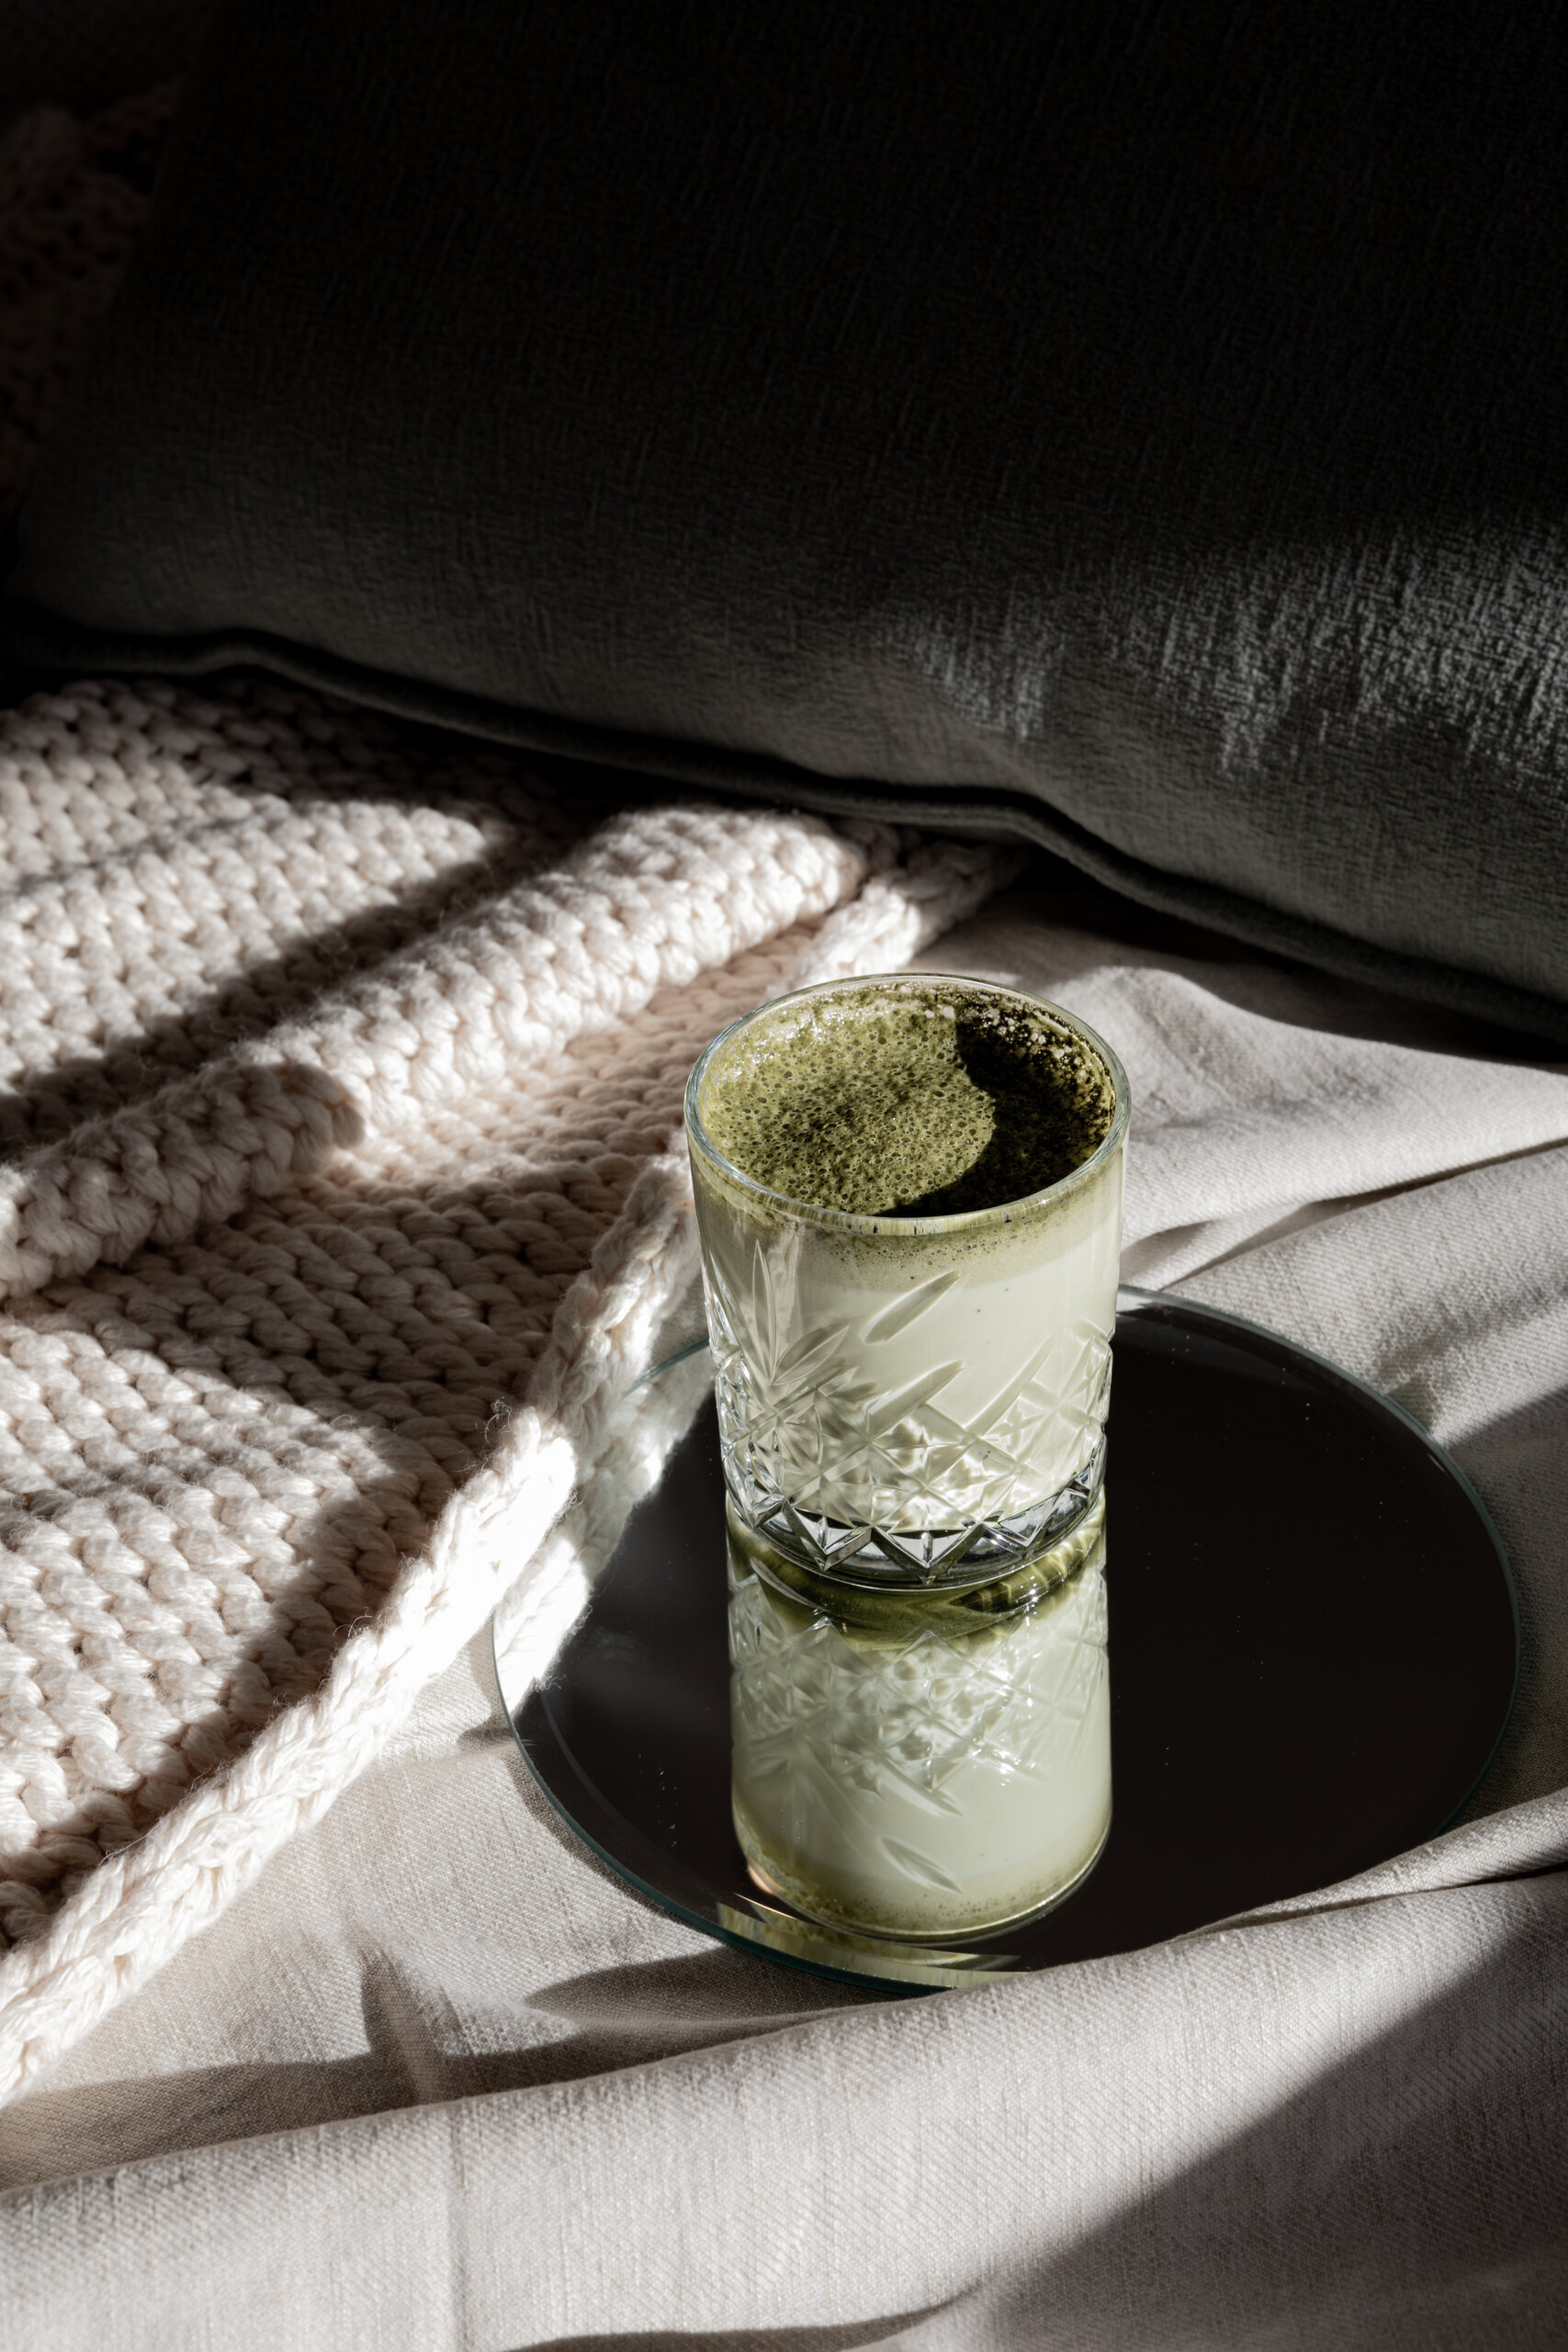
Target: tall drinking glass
[[912, 1404]]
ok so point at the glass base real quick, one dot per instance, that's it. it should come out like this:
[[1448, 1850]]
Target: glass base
[[923, 1555], [783, 1888]]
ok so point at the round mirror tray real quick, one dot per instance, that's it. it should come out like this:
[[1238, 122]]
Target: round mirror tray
[[1314, 1648]]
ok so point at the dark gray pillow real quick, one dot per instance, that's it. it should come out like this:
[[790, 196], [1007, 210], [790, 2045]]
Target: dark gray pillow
[[1140, 431]]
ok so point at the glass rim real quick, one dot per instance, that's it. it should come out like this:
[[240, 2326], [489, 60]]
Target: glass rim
[[911, 1227]]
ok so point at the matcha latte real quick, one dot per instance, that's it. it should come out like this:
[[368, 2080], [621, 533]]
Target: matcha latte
[[909, 1194]]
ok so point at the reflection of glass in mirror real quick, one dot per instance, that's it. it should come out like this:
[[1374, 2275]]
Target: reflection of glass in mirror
[[909, 1191], [921, 1761]]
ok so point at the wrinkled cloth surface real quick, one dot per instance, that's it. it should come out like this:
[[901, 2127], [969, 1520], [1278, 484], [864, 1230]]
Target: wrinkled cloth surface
[[437, 2079]]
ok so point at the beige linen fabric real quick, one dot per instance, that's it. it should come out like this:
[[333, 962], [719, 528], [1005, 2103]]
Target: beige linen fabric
[[435, 2079]]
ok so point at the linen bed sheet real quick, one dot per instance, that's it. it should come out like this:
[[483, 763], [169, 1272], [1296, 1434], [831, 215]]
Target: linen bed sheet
[[437, 2079]]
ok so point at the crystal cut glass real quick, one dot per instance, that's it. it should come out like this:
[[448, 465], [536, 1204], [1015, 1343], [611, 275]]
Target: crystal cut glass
[[913, 1406], [921, 1396]]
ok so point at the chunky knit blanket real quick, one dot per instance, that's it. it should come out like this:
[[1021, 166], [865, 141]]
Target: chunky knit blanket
[[341, 1199], [344, 1196]]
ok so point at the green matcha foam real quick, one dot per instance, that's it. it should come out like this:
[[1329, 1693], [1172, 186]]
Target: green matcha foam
[[929, 1101]]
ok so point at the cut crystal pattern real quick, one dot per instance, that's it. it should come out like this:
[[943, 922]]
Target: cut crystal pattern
[[1014, 1699], [838, 1471]]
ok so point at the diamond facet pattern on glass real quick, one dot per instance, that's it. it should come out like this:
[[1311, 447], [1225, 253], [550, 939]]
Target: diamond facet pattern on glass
[[915, 1714], [832, 1466]]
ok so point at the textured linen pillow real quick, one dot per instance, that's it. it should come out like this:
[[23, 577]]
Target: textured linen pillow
[[1139, 431]]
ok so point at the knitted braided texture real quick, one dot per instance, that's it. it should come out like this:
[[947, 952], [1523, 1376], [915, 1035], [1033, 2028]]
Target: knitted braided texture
[[341, 1198]]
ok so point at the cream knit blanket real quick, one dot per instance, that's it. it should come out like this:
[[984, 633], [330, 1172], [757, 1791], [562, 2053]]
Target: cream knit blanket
[[342, 1197]]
